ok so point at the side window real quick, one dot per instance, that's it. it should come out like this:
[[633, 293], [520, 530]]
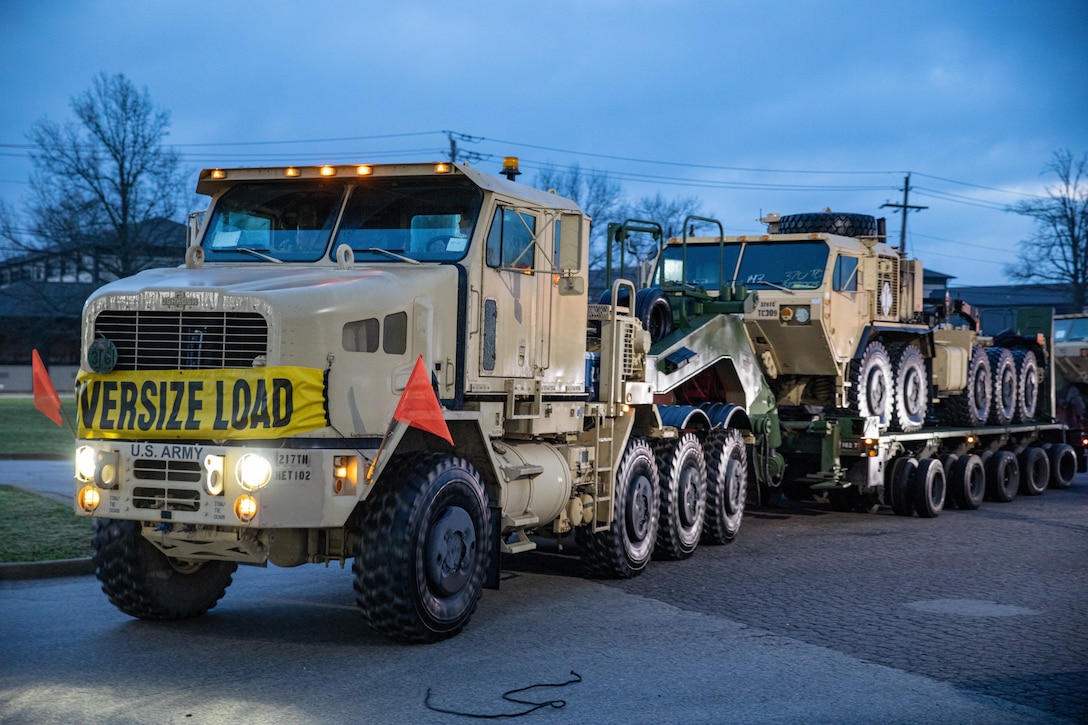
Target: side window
[[510, 239], [395, 341], [846, 275]]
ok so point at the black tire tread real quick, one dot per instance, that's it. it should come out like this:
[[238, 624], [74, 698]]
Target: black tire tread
[[139, 580]]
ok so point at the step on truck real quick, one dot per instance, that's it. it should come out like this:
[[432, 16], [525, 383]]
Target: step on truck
[[883, 397], [397, 366]]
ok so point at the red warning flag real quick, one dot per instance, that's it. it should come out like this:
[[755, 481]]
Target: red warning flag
[[418, 406], [46, 399]]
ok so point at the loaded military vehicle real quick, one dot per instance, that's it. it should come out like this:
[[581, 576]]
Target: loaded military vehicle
[[883, 398], [395, 365]]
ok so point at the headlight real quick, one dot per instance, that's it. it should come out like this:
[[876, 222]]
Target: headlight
[[802, 314], [253, 471], [85, 463]]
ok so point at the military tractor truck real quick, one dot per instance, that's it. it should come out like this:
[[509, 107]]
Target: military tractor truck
[[1071, 378], [882, 399], [396, 365]]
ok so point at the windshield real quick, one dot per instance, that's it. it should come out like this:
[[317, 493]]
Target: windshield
[[1071, 329], [285, 221], [426, 219], [384, 219], [789, 265]]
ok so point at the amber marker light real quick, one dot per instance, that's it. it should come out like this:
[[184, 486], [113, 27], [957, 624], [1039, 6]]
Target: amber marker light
[[219, 174], [328, 171], [441, 168], [291, 171], [89, 498], [363, 170], [245, 508]]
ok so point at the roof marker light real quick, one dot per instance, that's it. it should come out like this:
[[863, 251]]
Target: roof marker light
[[291, 171], [328, 170], [363, 170]]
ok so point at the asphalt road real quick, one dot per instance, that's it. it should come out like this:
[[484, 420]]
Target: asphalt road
[[810, 616]]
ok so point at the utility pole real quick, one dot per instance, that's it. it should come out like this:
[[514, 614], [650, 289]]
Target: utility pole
[[453, 147], [905, 207]]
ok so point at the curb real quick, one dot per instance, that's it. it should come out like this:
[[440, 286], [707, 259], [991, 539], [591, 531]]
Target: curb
[[46, 569]]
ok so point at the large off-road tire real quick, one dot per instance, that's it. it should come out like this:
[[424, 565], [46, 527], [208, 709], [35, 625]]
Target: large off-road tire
[[423, 548], [1063, 465], [626, 547], [972, 406], [968, 482], [910, 388], [1002, 476], [1027, 384], [1006, 399], [143, 582], [1034, 471], [928, 488], [847, 225], [654, 311], [870, 391], [899, 485], [682, 473], [727, 484]]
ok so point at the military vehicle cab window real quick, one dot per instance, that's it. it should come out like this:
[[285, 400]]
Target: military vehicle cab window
[[510, 239], [283, 221], [425, 219], [846, 275]]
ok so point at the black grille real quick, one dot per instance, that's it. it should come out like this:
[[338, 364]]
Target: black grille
[[183, 340], [165, 499], [153, 469]]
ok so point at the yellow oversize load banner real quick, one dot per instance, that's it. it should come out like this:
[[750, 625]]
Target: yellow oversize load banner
[[228, 403]]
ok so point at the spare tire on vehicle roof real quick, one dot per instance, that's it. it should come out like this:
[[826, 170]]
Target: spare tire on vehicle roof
[[846, 225]]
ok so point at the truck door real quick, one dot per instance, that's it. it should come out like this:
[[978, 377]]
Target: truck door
[[510, 314]]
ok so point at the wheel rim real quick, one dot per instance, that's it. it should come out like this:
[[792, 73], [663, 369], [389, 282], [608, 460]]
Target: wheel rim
[[689, 496], [876, 391], [912, 389], [450, 548], [735, 488], [639, 496]]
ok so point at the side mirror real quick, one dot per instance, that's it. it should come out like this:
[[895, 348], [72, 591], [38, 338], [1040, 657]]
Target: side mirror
[[570, 242]]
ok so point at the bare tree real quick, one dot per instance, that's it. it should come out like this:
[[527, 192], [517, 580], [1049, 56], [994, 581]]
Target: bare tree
[[1058, 248], [669, 213], [104, 187]]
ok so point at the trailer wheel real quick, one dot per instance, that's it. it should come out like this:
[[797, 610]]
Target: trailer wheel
[[910, 387], [928, 488], [625, 548], [1063, 465], [1005, 401], [423, 548], [972, 406], [968, 482], [681, 471], [1002, 476], [727, 484], [871, 384], [1034, 471], [1027, 377], [899, 486], [144, 583]]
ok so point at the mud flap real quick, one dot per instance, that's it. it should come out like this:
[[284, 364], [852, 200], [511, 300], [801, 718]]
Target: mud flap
[[491, 576]]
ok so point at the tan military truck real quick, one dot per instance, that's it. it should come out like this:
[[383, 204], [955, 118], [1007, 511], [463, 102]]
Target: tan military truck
[[879, 395], [395, 365]]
